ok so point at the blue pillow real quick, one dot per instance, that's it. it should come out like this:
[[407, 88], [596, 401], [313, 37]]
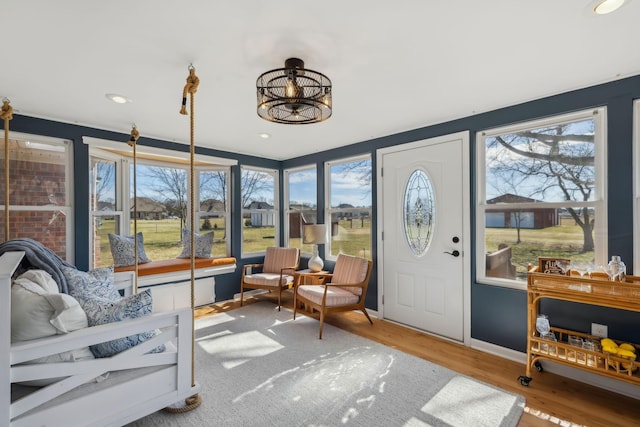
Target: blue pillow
[[122, 250], [97, 283], [103, 304], [203, 245]]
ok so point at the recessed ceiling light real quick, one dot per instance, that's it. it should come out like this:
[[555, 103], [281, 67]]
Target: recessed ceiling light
[[607, 6], [264, 135], [118, 99]]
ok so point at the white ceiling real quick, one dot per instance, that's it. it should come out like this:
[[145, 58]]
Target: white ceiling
[[394, 66]]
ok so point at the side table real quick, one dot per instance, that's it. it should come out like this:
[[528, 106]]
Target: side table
[[308, 277]]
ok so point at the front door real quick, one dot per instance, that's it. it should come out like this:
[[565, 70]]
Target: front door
[[423, 200]]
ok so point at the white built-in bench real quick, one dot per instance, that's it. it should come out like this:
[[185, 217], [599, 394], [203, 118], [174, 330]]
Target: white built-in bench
[[170, 280]]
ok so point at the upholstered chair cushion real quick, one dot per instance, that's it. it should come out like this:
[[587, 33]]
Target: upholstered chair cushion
[[350, 269], [335, 296], [275, 258], [268, 279]]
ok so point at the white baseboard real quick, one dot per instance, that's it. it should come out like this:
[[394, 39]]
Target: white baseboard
[[606, 383]]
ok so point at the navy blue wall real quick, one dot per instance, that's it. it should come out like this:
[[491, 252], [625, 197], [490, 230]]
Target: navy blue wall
[[498, 315]]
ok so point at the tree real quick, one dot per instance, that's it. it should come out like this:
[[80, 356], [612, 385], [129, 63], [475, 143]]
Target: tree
[[254, 185], [550, 163], [169, 184]]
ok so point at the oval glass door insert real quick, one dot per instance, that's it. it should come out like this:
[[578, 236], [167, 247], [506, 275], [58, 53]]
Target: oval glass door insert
[[418, 212]]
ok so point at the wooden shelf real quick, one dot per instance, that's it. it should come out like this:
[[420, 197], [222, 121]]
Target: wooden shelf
[[595, 291]]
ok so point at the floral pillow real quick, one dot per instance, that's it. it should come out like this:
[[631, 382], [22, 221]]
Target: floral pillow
[[122, 248], [203, 245]]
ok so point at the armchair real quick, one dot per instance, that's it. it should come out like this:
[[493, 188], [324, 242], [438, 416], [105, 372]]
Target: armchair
[[346, 290], [276, 272]]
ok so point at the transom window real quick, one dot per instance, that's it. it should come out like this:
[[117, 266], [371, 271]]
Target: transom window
[[541, 194]]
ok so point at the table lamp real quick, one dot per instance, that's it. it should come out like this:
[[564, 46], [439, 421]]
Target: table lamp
[[315, 234]]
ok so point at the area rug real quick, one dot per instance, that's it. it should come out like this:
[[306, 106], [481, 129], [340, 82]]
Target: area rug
[[259, 367]]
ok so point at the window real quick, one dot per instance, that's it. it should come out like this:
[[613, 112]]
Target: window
[[541, 194], [301, 209], [213, 212], [349, 207], [259, 209], [106, 206], [161, 206], [39, 192]]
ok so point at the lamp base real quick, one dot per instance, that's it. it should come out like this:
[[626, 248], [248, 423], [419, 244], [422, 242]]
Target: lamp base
[[315, 263]]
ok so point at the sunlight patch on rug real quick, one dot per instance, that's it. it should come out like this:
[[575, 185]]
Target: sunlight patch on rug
[[466, 402], [235, 349]]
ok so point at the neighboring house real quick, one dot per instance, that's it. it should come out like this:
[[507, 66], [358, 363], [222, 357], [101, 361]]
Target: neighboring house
[[262, 219], [520, 218], [147, 208], [212, 208]]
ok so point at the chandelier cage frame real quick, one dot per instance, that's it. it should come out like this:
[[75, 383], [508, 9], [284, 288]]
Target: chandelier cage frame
[[294, 95]]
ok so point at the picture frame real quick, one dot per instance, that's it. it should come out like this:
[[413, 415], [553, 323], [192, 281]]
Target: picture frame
[[553, 265]]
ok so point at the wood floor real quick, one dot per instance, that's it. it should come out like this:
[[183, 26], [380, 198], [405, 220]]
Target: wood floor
[[551, 400]]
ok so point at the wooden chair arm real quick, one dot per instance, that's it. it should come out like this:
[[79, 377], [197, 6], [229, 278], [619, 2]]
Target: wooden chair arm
[[248, 266]]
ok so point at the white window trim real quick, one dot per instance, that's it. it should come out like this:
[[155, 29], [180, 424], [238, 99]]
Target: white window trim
[[600, 199], [327, 201], [287, 198], [276, 209]]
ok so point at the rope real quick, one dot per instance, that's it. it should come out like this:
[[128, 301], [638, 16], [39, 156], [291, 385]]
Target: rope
[[6, 114], [135, 135], [190, 88]]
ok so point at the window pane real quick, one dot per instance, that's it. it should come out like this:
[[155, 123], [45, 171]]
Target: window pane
[[38, 188], [418, 212], [527, 234], [259, 215], [102, 226], [161, 207], [213, 202], [302, 205], [103, 188], [541, 191], [350, 208], [552, 164]]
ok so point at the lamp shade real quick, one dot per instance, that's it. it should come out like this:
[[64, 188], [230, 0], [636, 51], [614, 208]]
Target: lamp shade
[[315, 234]]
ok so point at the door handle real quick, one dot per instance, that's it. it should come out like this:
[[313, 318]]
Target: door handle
[[455, 253]]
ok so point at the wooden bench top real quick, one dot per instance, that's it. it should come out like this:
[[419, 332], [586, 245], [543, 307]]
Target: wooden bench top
[[176, 264]]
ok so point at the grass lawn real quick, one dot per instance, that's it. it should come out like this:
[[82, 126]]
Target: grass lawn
[[162, 241], [562, 241]]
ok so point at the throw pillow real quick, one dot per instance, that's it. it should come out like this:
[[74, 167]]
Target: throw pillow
[[96, 283], [100, 312], [202, 247], [122, 248], [103, 304], [38, 310]]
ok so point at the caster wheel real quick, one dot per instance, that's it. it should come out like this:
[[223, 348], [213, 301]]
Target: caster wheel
[[524, 380], [538, 366]]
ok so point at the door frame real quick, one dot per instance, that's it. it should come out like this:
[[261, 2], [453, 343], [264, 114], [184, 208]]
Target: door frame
[[466, 220]]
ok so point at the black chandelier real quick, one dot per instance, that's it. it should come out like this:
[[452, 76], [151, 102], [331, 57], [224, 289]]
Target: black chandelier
[[293, 95]]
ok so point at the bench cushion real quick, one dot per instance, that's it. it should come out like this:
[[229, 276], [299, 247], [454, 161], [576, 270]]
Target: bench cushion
[[177, 264]]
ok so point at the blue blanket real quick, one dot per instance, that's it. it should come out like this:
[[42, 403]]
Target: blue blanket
[[38, 256]]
